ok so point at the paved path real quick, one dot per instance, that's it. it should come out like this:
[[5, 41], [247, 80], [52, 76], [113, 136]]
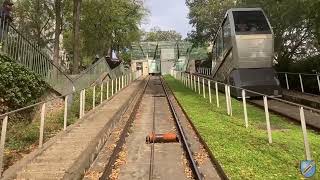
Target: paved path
[[71, 154], [311, 100], [312, 118]]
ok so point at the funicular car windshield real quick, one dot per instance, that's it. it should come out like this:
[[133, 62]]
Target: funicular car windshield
[[250, 22]]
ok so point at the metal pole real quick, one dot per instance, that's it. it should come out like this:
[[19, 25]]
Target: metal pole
[[43, 108], [186, 80], [108, 89], [101, 93], [191, 82], [199, 89], [204, 88], [116, 85], [301, 83], [227, 99], [65, 116], [112, 88], [194, 83], [84, 102], [209, 89], [305, 135], [80, 110], [94, 97], [217, 94], [3, 141], [266, 110], [318, 79], [126, 80], [183, 79], [122, 82], [244, 101], [287, 82]]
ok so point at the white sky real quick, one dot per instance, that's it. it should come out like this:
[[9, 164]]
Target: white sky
[[168, 15]]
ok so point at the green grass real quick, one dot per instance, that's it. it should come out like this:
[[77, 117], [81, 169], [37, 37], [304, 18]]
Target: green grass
[[245, 153]]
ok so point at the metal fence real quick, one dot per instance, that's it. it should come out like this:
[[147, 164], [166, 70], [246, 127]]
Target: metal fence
[[304, 82], [19, 48], [199, 85], [204, 71], [106, 90], [97, 72]]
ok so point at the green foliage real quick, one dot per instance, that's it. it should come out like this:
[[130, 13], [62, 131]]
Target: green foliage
[[156, 34], [35, 19], [126, 57], [105, 25], [245, 153], [18, 85]]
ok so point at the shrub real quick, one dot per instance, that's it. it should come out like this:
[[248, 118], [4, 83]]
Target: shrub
[[19, 86]]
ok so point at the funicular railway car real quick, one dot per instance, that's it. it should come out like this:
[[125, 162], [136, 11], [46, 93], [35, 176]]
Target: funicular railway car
[[243, 52]]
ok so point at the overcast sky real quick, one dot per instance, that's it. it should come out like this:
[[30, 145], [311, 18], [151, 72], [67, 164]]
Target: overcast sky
[[168, 15]]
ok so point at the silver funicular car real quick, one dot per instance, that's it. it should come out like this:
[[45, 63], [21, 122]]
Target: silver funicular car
[[243, 52]]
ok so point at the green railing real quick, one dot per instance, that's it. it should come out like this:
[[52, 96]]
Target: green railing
[[97, 72], [39, 60], [36, 58]]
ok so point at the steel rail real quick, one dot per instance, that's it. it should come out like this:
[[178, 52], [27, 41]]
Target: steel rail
[[193, 163], [213, 160], [151, 167], [108, 168]]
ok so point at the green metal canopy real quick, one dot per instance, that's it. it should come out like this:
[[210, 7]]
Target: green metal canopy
[[181, 52]]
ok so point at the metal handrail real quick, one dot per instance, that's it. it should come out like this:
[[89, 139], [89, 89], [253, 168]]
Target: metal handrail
[[123, 81], [187, 81], [39, 51], [207, 71], [20, 49], [261, 94], [49, 100], [307, 74]]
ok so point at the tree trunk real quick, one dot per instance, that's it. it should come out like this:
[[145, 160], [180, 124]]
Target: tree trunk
[[57, 32], [76, 35]]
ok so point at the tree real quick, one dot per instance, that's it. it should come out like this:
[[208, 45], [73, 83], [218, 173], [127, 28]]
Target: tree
[[295, 28], [34, 19], [76, 36], [105, 26], [206, 17], [156, 34], [57, 31]]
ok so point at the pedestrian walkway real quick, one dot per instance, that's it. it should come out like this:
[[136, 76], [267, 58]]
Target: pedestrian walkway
[[311, 100], [73, 151]]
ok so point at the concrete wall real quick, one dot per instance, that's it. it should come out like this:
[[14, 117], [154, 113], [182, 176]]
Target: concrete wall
[[166, 66], [145, 68]]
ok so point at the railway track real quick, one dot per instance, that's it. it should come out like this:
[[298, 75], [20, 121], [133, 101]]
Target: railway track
[[290, 111], [157, 113]]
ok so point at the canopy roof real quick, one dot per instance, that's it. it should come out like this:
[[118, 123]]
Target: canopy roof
[[152, 50]]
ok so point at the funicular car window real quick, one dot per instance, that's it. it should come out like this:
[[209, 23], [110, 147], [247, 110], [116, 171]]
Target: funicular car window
[[250, 22]]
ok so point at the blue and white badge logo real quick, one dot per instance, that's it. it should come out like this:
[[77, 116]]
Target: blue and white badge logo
[[308, 168]]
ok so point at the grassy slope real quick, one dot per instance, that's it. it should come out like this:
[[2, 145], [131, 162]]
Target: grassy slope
[[23, 137], [245, 153]]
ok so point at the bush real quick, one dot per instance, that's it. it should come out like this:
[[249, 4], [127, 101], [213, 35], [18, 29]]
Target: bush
[[19, 86]]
